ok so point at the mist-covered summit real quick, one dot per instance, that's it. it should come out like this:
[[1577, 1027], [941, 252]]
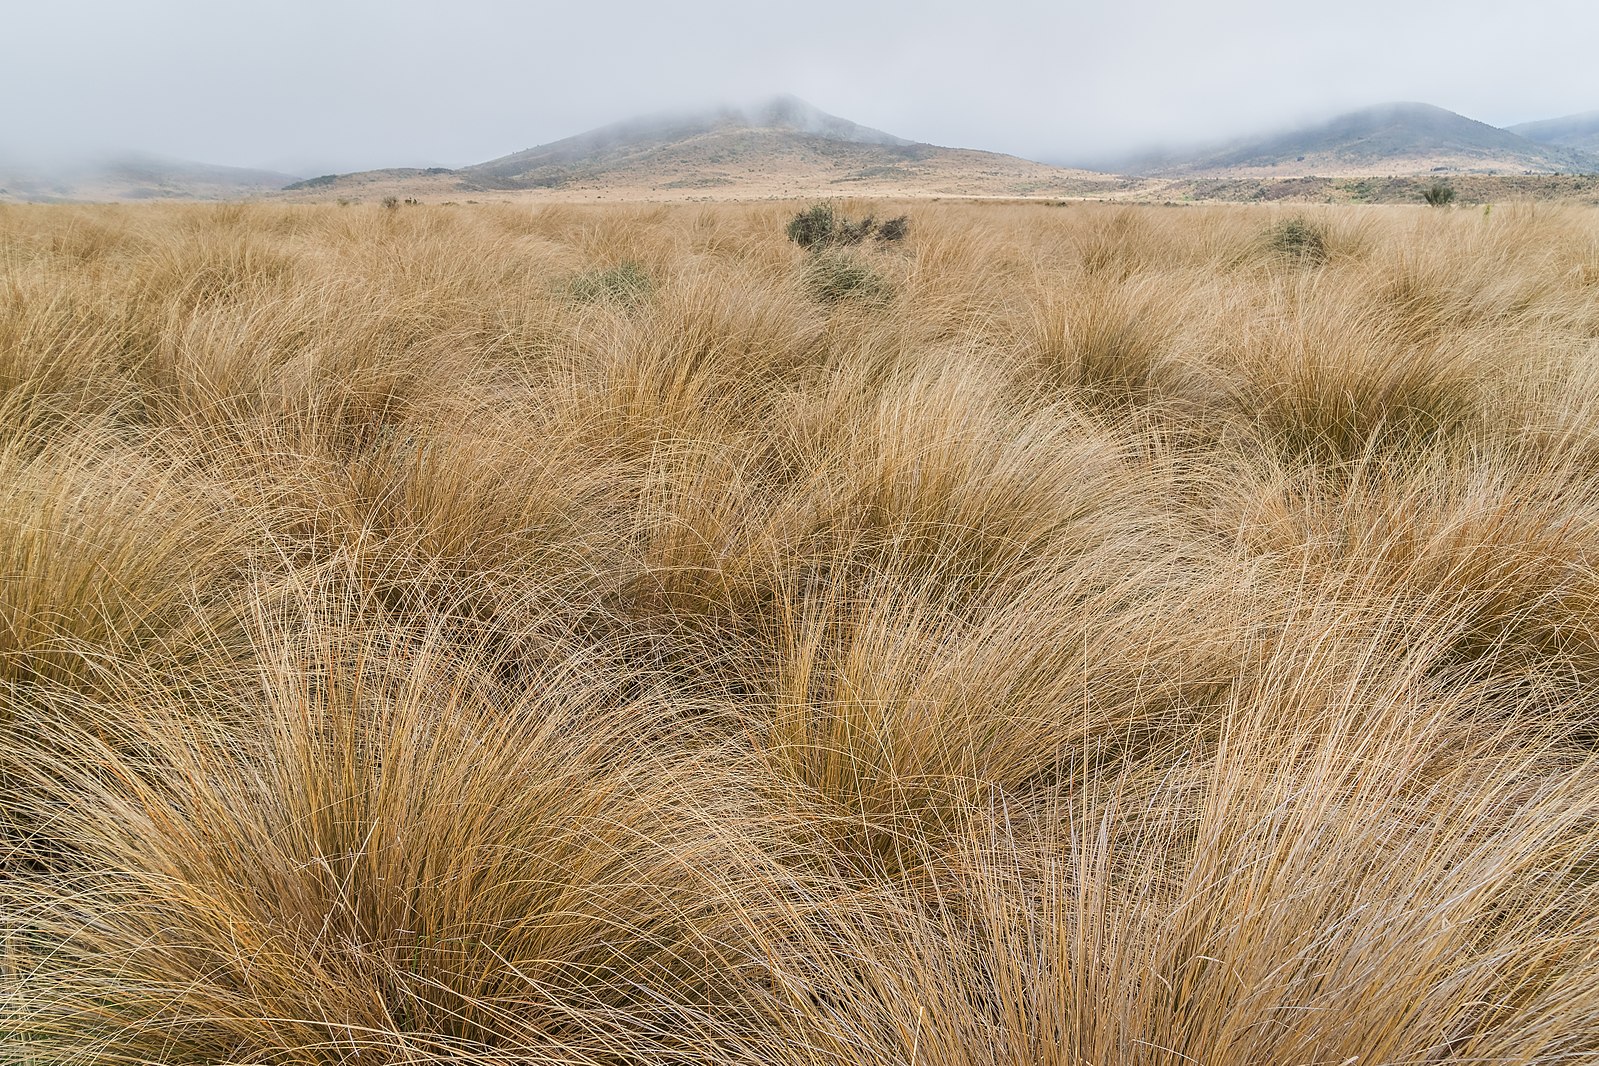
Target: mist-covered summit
[[130, 175], [1392, 138], [1570, 131], [681, 140], [789, 112]]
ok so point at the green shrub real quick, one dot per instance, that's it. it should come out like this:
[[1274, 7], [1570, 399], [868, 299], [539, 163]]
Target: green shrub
[[813, 227], [1438, 194], [894, 229], [1298, 239], [833, 277], [853, 232], [625, 283], [823, 226]]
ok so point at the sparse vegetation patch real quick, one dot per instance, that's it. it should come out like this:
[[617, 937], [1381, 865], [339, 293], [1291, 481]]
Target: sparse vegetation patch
[[312, 183], [822, 226], [626, 283], [1298, 239], [834, 276], [1438, 194]]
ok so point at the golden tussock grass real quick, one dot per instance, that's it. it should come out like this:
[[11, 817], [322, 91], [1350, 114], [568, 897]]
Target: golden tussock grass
[[1087, 636]]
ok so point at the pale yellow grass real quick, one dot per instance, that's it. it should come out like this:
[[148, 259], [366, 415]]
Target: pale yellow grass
[[509, 634]]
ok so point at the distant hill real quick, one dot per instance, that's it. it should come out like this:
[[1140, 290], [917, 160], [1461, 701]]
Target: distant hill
[[1398, 139], [783, 147], [1570, 131], [706, 147], [713, 137], [134, 177]]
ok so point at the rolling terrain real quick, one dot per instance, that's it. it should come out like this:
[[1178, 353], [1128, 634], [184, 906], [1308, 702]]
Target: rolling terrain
[[133, 176], [779, 149], [1570, 131], [786, 149]]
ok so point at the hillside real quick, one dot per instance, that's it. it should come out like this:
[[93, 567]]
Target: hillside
[[784, 147], [709, 136], [1375, 189], [135, 176], [1570, 131], [1401, 138]]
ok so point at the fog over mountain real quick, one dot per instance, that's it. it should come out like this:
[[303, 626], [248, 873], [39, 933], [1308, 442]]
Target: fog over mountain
[[1570, 131], [309, 87], [1393, 138]]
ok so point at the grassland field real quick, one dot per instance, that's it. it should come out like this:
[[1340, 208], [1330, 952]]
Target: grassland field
[[1094, 635]]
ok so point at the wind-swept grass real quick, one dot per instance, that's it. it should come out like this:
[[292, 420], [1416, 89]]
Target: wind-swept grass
[[561, 635]]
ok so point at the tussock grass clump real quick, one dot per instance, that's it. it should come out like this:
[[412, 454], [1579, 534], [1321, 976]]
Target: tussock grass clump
[[1298, 240], [627, 282], [833, 277], [1122, 346], [110, 551], [568, 635]]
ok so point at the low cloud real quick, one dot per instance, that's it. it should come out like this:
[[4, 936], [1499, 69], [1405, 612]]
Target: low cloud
[[309, 87]]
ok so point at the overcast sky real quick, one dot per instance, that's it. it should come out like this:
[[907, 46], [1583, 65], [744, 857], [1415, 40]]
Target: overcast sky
[[317, 85]]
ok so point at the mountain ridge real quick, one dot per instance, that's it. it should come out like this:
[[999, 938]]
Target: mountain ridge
[[782, 146], [1392, 138], [134, 176], [1579, 131]]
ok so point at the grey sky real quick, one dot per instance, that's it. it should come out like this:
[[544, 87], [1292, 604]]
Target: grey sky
[[346, 84]]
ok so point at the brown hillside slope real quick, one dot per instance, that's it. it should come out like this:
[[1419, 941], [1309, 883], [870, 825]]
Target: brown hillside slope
[[784, 148], [1391, 139]]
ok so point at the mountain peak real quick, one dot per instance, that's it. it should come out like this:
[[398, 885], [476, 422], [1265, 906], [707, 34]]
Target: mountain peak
[[1402, 137], [776, 146], [693, 138], [1579, 131], [786, 111]]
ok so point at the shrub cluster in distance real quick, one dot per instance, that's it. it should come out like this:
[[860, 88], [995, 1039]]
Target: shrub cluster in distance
[[823, 226], [1300, 240]]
